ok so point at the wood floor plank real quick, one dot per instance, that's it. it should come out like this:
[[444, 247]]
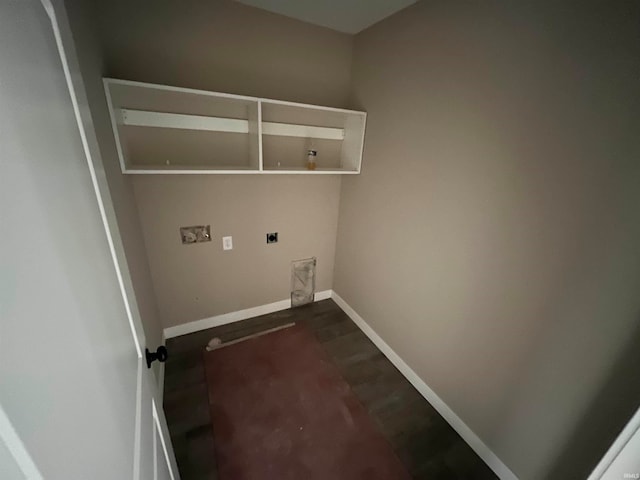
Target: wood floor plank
[[422, 439]]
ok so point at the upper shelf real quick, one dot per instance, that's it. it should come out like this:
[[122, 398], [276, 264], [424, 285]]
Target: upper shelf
[[171, 130]]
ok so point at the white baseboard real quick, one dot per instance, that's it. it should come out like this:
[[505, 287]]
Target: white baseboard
[[324, 295], [231, 317], [490, 458]]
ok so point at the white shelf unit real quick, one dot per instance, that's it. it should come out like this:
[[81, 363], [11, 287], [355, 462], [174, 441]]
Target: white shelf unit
[[171, 130]]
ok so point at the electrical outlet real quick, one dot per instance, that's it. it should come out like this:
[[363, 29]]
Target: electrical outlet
[[227, 243], [272, 237]]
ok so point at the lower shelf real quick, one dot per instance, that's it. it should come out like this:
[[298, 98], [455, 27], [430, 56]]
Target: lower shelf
[[305, 171], [187, 170], [182, 170]]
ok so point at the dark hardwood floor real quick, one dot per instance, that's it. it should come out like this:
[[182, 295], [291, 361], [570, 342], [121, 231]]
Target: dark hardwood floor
[[422, 439]]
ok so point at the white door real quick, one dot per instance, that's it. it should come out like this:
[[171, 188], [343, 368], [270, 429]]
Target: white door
[[77, 401]]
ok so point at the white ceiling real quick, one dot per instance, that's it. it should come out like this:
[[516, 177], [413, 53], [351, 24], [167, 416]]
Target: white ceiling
[[348, 16]]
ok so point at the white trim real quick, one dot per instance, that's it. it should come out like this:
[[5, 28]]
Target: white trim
[[145, 118], [15, 446], [132, 83], [161, 371], [306, 171], [260, 159], [483, 451], [160, 432], [616, 447], [307, 105], [234, 171], [304, 131], [75, 85], [237, 316], [137, 432], [184, 171], [364, 130], [324, 295], [114, 125]]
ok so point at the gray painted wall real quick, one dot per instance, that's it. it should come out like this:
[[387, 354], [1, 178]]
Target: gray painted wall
[[493, 236], [224, 46], [201, 280]]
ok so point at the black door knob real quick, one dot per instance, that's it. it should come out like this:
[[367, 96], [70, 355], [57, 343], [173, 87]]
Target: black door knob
[[160, 354]]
